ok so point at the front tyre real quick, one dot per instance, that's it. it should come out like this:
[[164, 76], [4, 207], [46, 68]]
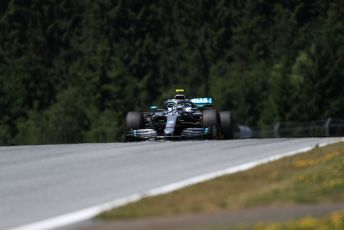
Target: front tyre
[[134, 120], [211, 119]]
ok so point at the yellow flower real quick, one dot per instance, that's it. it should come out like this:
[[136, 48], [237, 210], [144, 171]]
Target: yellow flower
[[300, 178], [304, 163], [337, 220], [272, 227], [308, 222], [330, 155]]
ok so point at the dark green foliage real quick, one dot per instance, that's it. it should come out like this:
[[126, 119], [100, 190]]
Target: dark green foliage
[[70, 69]]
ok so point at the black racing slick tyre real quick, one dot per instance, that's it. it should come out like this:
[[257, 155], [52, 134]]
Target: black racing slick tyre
[[134, 120], [211, 119], [227, 125]]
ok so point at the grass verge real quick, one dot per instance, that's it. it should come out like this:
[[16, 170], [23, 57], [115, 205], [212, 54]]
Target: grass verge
[[312, 177], [334, 221]]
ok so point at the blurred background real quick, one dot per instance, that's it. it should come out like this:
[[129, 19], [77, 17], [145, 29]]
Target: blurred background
[[70, 69]]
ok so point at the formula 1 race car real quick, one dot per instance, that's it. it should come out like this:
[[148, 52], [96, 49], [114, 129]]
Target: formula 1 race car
[[181, 118]]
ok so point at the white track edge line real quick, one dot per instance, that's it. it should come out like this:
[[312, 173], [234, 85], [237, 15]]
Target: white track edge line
[[84, 214]]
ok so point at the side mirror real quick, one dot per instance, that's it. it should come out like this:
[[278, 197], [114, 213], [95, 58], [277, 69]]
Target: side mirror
[[153, 108]]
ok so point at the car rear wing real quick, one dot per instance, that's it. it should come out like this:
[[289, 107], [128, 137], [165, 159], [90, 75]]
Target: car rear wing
[[203, 102]]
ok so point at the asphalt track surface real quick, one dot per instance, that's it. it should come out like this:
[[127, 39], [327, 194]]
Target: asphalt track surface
[[43, 182]]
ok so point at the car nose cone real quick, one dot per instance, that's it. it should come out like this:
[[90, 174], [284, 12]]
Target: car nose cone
[[169, 131]]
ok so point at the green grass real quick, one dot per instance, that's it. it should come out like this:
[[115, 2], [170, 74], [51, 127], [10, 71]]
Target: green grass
[[334, 221], [313, 177]]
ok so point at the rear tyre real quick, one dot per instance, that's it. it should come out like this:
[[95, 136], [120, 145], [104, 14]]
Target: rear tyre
[[211, 119], [227, 125]]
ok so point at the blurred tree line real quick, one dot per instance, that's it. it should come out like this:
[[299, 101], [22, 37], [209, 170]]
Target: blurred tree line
[[69, 69]]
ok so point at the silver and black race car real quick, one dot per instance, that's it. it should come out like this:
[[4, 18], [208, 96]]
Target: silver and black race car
[[181, 118]]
